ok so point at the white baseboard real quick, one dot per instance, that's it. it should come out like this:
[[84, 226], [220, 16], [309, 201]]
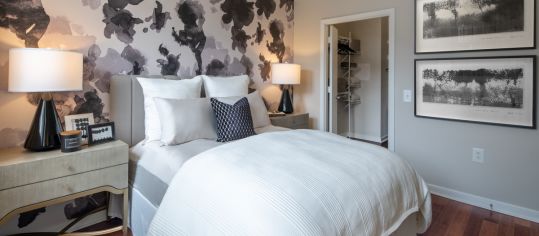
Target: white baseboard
[[497, 206]]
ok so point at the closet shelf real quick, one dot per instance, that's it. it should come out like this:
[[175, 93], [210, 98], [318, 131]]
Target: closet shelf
[[350, 103], [350, 54], [350, 67], [355, 101]]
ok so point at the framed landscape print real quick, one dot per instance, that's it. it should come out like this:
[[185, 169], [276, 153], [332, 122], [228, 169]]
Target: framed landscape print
[[493, 90], [473, 25]]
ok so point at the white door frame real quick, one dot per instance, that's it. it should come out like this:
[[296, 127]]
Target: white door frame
[[324, 25]]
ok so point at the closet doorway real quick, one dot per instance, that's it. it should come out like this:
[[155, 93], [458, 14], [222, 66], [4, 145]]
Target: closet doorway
[[357, 65]]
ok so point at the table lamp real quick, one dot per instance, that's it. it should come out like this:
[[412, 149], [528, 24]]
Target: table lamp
[[45, 71], [287, 75]]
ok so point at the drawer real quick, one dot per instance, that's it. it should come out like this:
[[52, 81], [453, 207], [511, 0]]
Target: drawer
[[301, 126], [302, 119], [20, 168], [296, 121], [280, 122], [13, 198]]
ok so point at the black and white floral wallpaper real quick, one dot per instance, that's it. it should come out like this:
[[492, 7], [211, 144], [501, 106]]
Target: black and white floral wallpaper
[[141, 37]]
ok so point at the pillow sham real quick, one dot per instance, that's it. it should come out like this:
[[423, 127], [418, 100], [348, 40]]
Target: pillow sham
[[259, 112], [185, 120], [226, 86], [163, 88], [233, 121]]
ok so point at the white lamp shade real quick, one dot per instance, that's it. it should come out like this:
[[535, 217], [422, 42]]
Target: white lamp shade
[[284, 73], [44, 70]]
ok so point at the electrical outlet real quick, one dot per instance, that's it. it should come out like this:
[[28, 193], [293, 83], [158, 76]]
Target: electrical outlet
[[407, 95], [478, 155]]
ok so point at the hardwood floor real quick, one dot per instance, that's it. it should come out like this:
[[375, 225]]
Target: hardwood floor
[[452, 218]]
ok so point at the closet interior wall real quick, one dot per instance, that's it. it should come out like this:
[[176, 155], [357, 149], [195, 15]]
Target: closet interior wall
[[364, 114]]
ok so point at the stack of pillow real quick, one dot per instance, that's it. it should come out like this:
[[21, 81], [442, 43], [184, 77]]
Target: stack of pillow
[[175, 113]]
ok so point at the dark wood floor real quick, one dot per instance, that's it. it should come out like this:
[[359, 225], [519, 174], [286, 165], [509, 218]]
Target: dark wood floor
[[453, 218]]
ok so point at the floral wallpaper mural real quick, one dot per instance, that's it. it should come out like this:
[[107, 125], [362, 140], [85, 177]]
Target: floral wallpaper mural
[[141, 37]]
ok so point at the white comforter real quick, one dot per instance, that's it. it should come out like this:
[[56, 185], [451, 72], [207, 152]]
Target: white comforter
[[299, 182]]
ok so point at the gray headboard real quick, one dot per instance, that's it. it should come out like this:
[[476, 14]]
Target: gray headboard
[[127, 107]]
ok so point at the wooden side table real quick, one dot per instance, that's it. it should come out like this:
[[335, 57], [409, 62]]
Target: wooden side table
[[292, 121], [32, 180]]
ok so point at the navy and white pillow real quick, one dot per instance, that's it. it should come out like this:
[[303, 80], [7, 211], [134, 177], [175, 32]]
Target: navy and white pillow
[[233, 121]]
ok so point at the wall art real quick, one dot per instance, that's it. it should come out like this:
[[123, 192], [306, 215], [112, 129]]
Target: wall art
[[473, 25], [493, 90]]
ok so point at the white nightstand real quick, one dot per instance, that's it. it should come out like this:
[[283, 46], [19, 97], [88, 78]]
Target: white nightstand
[[292, 121], [32, 180]]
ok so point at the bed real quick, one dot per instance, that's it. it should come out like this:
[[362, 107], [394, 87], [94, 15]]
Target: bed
[[150, 179], [153, 181]]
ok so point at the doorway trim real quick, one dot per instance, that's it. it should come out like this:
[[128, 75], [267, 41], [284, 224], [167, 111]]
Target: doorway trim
[[324, 31]]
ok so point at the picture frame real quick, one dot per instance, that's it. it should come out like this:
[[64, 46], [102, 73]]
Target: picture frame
[[471, 25], [486, 90], [101, 133], [80, 122]]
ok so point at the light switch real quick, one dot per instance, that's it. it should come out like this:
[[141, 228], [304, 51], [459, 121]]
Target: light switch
[[407, 95]]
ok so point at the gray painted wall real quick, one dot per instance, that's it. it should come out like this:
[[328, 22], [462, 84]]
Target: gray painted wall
[[440, 150]]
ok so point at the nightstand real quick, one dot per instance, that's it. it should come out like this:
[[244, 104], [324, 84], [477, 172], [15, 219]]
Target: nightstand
[[292, 121], [32, 180]]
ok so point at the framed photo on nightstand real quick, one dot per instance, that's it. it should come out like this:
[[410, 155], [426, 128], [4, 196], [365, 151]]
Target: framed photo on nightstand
[[80, 122], [101, 133]]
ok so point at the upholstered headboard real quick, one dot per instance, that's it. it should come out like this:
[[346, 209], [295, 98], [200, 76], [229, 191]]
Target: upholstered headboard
[[127, 107]]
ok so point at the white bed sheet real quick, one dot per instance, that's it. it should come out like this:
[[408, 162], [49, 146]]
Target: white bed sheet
[[153, 160], [152, 167], [300, 182]]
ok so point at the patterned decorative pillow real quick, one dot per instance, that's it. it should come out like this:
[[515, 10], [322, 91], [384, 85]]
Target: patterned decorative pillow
[[233, 121]]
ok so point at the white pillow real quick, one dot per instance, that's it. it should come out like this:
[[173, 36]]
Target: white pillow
[[259, 112], [162, 88], [185, 120], [226, 86]]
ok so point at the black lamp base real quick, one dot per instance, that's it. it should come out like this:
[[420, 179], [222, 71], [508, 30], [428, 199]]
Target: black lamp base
[[46, 127], [286, 103]]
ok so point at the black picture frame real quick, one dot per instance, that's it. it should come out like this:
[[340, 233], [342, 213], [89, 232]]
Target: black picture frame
[[101, 133], [533, 88], [533, 46]]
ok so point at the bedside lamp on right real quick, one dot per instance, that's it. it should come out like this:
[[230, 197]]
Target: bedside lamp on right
[[287, 75]]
